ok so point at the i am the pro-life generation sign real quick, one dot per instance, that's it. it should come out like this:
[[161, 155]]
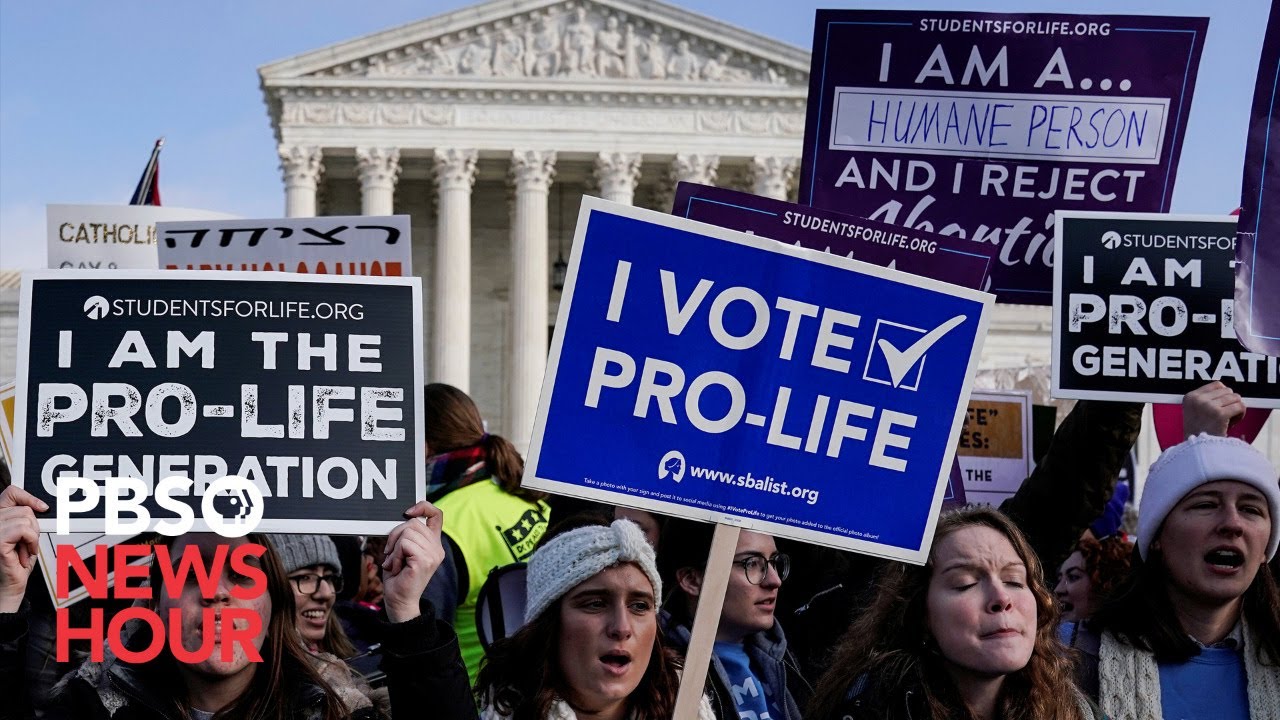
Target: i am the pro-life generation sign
[[981, 125], [1143, 310], [717, 375], [308, 388]]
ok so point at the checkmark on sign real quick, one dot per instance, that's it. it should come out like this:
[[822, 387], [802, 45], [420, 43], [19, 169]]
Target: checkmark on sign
[[900, 362]]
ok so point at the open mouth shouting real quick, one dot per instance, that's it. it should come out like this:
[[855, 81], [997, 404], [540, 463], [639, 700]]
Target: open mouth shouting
[[616, 662], [1224, 560]]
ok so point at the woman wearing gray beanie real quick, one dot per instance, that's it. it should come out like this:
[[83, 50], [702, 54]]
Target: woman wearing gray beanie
[[1194, 632], [591, 621], [315, 575]]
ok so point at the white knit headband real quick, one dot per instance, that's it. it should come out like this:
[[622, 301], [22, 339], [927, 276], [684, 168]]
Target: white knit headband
[[570, 559]]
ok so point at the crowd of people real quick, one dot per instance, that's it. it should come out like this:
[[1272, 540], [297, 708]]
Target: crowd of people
[[1047, 608]]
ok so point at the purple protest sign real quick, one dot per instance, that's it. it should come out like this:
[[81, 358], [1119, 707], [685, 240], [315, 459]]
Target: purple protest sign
[[955, 497], [1257, 312], [981, 125], [948, 259]]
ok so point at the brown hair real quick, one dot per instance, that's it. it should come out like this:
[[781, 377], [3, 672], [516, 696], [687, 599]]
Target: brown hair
[[285, 668], [452, 421], [888, 645], [335, 638], [507, 683]]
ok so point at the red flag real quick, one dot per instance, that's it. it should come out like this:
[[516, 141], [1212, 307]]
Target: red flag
[[148, 190]]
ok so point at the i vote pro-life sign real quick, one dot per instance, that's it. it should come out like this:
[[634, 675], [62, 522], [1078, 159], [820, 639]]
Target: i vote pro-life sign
[[308, 388], [716, 375]]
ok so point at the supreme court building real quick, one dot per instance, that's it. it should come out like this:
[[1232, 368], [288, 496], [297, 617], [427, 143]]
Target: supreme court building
[[487, 125]]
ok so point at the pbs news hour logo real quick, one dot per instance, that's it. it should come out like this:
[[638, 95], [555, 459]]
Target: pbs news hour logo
[[231, 506]]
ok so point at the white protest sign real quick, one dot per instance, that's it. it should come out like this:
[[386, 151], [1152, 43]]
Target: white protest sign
[[7, 395], [47, 547], [110, 237], [85, 545], [329, 245], [995, 445]]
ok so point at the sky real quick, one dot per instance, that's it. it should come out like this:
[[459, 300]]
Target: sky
[[86, 88]]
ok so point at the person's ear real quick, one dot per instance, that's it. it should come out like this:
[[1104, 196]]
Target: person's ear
[[690, 581]]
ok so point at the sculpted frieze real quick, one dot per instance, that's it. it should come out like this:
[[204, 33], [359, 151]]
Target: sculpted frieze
[[573, 40], [352, 113], [553, 118]]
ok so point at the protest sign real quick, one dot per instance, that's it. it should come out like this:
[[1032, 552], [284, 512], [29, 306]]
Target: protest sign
[[711, 374], [995, 445], [1258, 247], [333, 245], [981, 125], [940, 257], [1143, 310], [920, 253], [308, 388], [86, 545], [7, 392], [110, 237], [955, 496]]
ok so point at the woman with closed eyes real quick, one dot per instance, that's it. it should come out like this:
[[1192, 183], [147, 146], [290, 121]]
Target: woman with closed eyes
[[971, 635]]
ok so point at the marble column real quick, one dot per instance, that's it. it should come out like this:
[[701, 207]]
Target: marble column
[[688, 167], [617, 175], [378, 168], [455, 174], [531, 173], [302, 169], [771, 176]]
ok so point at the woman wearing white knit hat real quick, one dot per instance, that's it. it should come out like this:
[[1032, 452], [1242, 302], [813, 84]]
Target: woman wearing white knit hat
[[590, 645], [1194, 632]]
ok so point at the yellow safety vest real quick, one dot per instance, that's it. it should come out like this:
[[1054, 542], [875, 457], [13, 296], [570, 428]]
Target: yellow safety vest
[[491, 528]]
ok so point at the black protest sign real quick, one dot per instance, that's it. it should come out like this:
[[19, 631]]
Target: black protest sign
[[309, 388], [1142, 309]]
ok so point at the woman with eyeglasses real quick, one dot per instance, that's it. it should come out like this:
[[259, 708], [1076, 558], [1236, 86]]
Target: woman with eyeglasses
[[752, 670], [315, 574]]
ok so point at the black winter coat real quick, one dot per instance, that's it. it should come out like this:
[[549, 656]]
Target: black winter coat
[[425, 677]]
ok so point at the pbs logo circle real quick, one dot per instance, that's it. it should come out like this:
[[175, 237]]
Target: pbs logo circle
[[96, 307], [1111, 240]]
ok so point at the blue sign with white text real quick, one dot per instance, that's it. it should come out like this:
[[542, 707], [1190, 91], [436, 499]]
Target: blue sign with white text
[[712, 374]]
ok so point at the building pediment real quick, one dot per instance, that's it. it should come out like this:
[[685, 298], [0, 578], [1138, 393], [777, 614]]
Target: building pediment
[[573, 42]]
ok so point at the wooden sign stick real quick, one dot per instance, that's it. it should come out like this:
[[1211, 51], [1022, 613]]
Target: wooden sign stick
[[706, 621]]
